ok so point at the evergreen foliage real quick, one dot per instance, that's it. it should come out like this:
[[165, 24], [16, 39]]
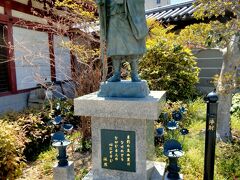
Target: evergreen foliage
[[11, 151], [169, 65]]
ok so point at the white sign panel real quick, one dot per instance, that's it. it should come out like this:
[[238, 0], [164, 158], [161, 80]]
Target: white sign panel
[[31, 51], [62, 58]]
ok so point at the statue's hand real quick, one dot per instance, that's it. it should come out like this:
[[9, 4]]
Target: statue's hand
[[100, 2]]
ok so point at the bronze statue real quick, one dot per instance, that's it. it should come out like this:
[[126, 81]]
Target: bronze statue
[[123, 28]]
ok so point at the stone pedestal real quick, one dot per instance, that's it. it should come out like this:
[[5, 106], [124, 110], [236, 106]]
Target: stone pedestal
[[64, 173], [124, 89], [122, 134]]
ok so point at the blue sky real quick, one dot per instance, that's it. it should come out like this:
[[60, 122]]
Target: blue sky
[[178, 1]]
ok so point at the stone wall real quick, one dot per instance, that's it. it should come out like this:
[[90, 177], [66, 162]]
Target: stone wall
[[15, 102], [210, 63]]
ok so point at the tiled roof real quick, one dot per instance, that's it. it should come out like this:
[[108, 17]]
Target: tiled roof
[[172, 13]]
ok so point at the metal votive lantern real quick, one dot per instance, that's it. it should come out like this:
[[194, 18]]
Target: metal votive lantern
[[61, 144], [173, 150]]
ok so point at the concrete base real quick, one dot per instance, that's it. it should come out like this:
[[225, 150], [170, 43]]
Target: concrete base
[[155, 171], [135, 115], [158, 171], [124, 89], [16, 102], [64, 173], [144, 146], [130, 108]]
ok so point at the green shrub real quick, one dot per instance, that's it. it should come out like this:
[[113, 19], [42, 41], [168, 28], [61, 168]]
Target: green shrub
[[192, 162], [25, 135], [38, 134], [235, 109], [170, 67], [67, 112], [227, 156], [11, 149], [46, 160], [228, 160], [36, 128], [171, 107], [196, 111]]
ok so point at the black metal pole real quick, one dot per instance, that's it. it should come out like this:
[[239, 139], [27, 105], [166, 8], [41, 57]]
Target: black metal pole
[[210, 139]]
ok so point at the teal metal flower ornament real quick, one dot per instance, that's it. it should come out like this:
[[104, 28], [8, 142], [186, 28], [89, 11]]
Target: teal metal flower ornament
[[160, 132], [58, 138], [172, 125], [57, 120], [182, 110], [67, 127], [177, 115], [57, 110], [184, 131], [173, 150]]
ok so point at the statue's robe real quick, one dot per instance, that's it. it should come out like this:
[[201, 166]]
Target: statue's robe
[[126, 27]]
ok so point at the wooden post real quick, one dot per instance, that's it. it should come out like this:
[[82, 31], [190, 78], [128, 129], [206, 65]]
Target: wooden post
[[52, 57], [10, 54]]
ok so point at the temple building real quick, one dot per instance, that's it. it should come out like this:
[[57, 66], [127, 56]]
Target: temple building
[[31, 53]]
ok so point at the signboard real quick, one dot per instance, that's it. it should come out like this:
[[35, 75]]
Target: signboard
[[118, 150]]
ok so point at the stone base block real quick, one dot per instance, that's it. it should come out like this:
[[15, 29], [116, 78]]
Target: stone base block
[[135, 108], [64, 173], [124, 89], [155, 171], [158, 171], [122, 127]]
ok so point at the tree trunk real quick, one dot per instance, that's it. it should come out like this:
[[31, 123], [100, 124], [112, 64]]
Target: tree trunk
[[226, 86], [223, 123]]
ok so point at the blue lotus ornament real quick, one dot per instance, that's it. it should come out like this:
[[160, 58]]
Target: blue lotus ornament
[[58, 107], [177, 115], [160, 132], [172, 125], [57, 120], [182, 109], [184, 131], [58, 136], [61, 144], [67, 127], [172, 148]]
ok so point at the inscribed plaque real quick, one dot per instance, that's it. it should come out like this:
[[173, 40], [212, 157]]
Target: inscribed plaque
[[118, 150]]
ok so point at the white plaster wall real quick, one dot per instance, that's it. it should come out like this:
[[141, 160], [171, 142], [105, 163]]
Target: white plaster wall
[[22, 1], [1, 10], [31, 50], [62, 59], [37, 5], [28, 17]]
